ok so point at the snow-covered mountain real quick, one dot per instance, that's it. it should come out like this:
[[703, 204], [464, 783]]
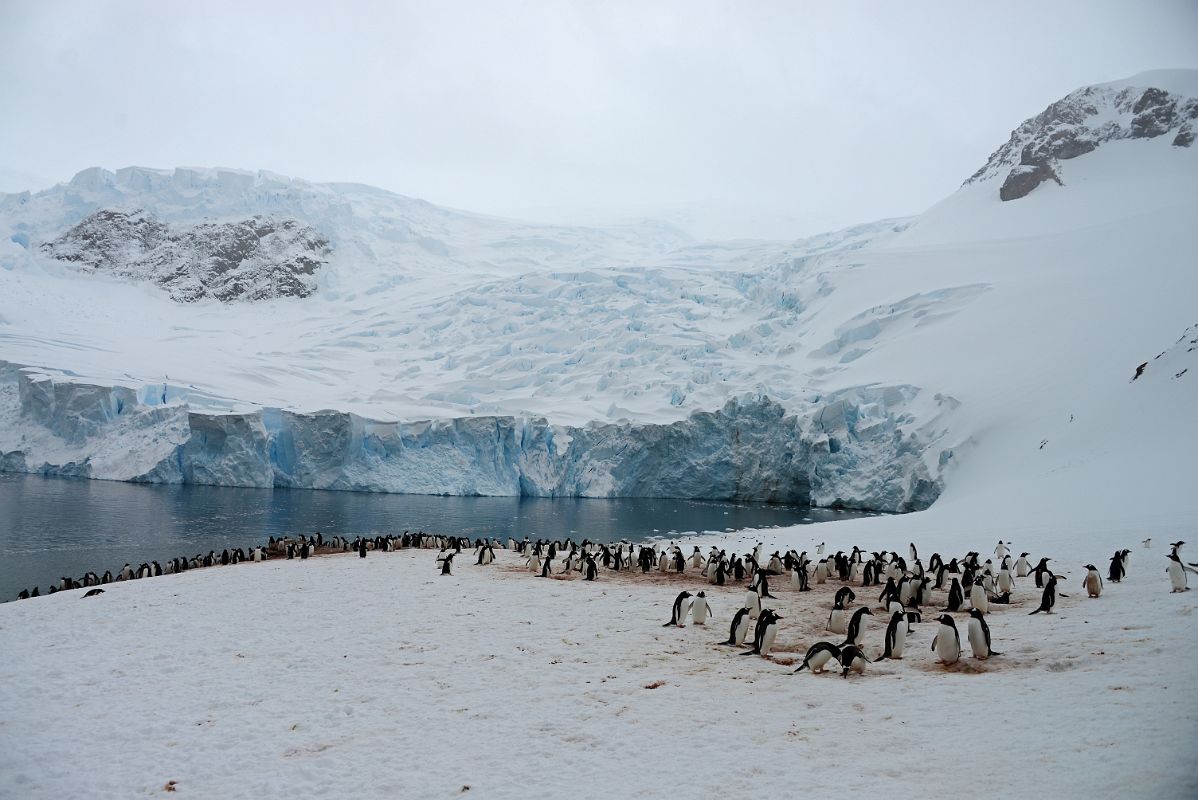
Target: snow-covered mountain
[[979, 349]]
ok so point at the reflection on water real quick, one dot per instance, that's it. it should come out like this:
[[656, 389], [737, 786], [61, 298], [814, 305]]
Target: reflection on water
[[51, 527]]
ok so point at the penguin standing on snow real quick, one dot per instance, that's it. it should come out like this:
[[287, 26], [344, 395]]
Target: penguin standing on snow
[[761, 584], [838, 618], [764, 634], [852, 660], [896, 636], [447, 564], [1049, 598], [1177, 573], [362, 547], [678, 613], [979, 635], [1093, 581], [817, 656], [753, 603], [1039, 571], [855, 632], [977, 596], [547, 566], [947, 642], [592, 569], [1147, 543], [1022, 567], [1118, 566], [700, 609], [956, 598], [739, 629]]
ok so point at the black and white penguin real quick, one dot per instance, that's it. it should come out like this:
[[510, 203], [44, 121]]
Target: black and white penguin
[[1049, 598], [447, 564], [739, 629], [678, 613], [1039, 571], [93, 592], [979, 635], [838, 617], [753, 603], [896, 636], [947, 642], [977, 596], [764, 634], [362, 547], [956, 598], [1177, 573], [547, 565], [817, 656], [700, 609], [852, 660], [1118, 566], [856, 632], [1093, 581], [592, 569], [1022, 567]]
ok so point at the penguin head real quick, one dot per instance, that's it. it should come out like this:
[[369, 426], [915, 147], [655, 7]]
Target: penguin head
[[975, 613], [701, 594], [945, 619]]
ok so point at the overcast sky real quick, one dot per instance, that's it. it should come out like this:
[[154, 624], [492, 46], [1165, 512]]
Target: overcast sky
[[746, 118]]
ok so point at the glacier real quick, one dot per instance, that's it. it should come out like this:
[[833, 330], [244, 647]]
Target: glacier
[[847, 449]]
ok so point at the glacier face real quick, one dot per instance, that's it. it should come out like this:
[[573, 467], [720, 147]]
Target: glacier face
[[848, 449]]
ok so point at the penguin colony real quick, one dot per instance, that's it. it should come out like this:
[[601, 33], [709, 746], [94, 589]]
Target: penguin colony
[[301, 548], [907, 590]]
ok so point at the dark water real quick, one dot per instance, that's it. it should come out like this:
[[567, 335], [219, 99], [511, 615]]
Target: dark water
[[50, 527]]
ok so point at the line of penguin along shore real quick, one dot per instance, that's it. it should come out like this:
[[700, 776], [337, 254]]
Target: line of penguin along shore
[[908, 589]]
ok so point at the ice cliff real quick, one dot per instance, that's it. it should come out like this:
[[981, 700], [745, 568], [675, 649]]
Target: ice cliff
[[849, 449]]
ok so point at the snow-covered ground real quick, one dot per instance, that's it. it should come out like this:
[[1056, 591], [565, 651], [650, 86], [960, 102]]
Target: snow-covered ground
[[341, 677]]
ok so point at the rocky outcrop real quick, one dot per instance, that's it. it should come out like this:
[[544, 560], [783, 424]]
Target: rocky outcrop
[[1078, 124], [252, 259]]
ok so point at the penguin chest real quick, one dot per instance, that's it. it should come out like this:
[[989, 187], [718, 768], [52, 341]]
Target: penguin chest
[[767, 639], [1093, 585], [837, 622], [977, 598], [742, 630], [947, 648], [817, 662], [699, 612], [977, 640], [900, 640]]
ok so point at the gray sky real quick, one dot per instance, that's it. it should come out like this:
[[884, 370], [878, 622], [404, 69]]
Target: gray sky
[[747, 118]]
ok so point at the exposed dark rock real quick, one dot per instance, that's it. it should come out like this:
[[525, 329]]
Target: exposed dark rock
[[253, 259], [1025, 177]]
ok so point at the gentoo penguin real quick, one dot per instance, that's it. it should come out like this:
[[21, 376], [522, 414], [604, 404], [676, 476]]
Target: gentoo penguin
[[1093, 581], [362, 547], [547, 566], [739, 629], [93, 592], [1022, 567], [896, 636], [678, 613], [1177, 547], [700, 608], [979, 635], [534, 563], [1039, 571], [1177, 573], [856, 630], [1049, 598], [592, 569], [947, 642], [697, 559], [1117, 568], [956, 598], [753, 603], [1000, 551], [852, 659], [819, 549], [977, 596], [761, 584], [1005, 582], [447, 564], [838, 618], [764, 634], [821, 571], [1147, 543], [817, 656]]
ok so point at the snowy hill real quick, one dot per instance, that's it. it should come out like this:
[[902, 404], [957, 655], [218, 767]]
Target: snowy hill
[[979, 350]]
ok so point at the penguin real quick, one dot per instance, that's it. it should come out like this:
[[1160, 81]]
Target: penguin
[[819, 549], [979, 635], [592, 569], [977, 596], [761, 584], [852, 659], [1177, 573], [821, 572], [956, 598], [739, 629], [947, 642], [1049, 598], [447, 564], [547, 565], [1118, 566], [896, 636], [534, 563], [838, 617], [93, 592], [817, 656], [1022, 567], [868, 575], [700, 608], [1000, 551], [753, 603], [764, 634], [1147, 543], [855, 632], [1093, 581], [678, 613], [1005, 582], [1039, 571], [362, 548]]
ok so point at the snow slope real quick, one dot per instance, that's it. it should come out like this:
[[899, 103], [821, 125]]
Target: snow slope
[[981, 340]]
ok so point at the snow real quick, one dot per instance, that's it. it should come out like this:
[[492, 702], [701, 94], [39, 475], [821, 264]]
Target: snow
[[343, 677]]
